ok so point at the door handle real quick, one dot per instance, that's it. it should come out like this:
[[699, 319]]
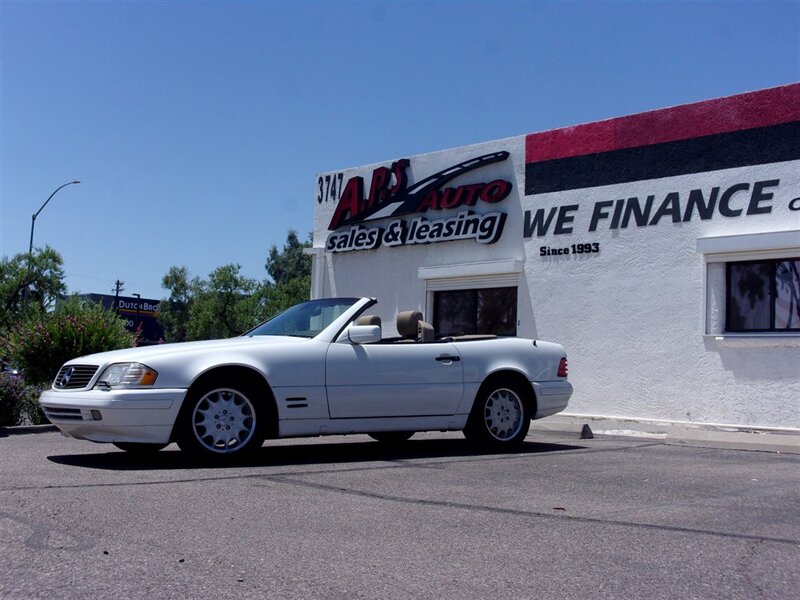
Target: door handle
[[448, 358]]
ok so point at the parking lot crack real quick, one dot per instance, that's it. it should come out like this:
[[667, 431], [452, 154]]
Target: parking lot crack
[[296, 481]]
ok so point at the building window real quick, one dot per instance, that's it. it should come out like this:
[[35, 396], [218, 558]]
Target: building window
[[763, 295], [479, 311]]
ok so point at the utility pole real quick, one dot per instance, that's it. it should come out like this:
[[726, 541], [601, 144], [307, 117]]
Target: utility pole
[[138, 308], [119, 286]]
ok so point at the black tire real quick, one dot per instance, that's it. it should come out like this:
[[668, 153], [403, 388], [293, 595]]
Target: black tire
[[391, 437], [500, 417], [139, 448], [221, 421]]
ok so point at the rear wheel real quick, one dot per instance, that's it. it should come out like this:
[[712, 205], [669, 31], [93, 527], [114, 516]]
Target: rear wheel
[[138, 448], [500, 417], [391, 437], [221, 421]]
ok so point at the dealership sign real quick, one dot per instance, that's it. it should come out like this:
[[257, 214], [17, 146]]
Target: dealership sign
[[139, 314], [391, 197]]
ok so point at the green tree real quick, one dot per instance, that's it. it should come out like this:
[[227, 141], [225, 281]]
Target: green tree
[[29, 285], [290, 273], [224, 306], [174, 311], [289, 263], [228, 303], [273, 299]]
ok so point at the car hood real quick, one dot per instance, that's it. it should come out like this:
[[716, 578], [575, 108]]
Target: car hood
[[150, 353]]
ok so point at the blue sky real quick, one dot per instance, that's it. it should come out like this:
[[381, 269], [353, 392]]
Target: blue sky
[[198, 128]]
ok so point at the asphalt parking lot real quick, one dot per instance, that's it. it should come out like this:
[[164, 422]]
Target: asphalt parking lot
[[343, 517]]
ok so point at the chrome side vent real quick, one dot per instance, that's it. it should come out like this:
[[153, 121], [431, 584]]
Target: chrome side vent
[[297, 403]]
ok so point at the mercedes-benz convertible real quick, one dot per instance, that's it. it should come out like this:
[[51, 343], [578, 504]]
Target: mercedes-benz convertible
[[319, 368]]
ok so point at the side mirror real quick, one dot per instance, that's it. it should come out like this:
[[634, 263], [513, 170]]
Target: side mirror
[[364, 334]]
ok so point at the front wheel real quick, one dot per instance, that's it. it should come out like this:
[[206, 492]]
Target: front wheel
[[220, 421], [500, 417]]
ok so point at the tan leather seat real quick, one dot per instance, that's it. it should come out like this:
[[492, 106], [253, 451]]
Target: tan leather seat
[[425, 332]]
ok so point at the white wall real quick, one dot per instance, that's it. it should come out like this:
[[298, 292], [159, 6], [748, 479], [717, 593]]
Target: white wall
[[632, 316]]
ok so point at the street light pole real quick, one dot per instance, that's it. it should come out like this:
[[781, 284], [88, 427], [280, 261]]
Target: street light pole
[[36, 214]]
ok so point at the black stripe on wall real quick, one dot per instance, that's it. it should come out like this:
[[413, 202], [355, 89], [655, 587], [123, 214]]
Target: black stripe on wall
[[762, 145]]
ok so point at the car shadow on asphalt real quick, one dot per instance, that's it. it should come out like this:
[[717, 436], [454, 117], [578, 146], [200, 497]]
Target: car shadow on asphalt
[[303, 454]]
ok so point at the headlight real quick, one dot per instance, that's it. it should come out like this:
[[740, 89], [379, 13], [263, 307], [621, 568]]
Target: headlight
[[127, 375]]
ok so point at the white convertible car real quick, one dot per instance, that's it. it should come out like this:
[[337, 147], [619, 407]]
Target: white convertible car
[[321, 367]]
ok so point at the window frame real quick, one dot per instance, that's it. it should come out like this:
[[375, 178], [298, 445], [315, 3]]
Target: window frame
[[772, 264], [475, 318], [720, 249]]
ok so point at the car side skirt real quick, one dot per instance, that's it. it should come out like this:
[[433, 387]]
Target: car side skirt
[[314, 427]]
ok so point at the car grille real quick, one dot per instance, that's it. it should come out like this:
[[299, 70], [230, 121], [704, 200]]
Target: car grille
[[62, 414], [74, 377]]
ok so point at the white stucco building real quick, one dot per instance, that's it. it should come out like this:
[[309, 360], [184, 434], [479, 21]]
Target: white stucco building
[[662, 249]]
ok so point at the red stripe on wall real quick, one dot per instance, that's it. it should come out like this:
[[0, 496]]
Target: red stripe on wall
[[722, 115]]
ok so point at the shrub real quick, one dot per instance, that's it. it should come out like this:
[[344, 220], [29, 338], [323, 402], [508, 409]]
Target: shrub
[[16, 398], [41, 343], [31, 408]]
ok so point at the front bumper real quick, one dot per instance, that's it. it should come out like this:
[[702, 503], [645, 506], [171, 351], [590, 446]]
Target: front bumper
[[140, 415]]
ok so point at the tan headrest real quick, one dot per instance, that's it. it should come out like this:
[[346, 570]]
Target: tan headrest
[[368, 320], [407, 323]]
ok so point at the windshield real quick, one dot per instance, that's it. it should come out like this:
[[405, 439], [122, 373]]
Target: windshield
[[305, 320]]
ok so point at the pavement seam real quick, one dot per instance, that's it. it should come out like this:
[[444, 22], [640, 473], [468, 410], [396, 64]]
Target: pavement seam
[[525, 513]]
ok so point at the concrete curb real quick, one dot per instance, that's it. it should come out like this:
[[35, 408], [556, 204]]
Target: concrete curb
[[729, 437], [782, 441], [19, 430]]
